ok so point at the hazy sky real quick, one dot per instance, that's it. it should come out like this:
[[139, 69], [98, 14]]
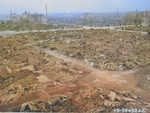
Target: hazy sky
[[32, 6]]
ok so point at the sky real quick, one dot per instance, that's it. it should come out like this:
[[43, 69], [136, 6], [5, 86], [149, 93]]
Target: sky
[[67, 6]]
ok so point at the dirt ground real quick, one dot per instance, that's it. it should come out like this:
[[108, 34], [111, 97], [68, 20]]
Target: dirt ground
[[75, 71]]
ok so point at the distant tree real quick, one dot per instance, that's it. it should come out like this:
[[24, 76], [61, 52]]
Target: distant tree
[[128, 18]]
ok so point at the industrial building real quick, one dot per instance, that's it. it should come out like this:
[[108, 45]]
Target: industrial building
[[35, 18]]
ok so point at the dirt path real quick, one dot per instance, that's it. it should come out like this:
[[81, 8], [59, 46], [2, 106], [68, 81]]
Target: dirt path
[[111, 80]]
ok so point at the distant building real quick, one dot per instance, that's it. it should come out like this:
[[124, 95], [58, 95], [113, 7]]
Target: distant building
[[35, 18], [44, 20], [14, 17], [25, 15]]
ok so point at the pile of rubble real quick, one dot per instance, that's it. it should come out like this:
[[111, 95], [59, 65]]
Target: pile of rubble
[[91, 100], [31, 80]]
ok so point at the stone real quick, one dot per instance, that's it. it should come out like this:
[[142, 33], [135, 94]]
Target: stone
[[85, 60], [117, 98], [147, 104], [29, 68], [148, 78], [53, 40], [101, 96], [38, 72], [80, 72], [134, 96], [8, 52], [102, 55], [107, 103], [71, 55], [26, 107], [92, 64], [9, 70], [17, 70], [23, 107], [123, 81], [128, 99], [96, 80], [69, 42], [42, 79], [115, 75], [100, 89], [112, 95]]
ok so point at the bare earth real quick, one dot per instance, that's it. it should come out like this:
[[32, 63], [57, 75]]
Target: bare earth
[[39, 79]]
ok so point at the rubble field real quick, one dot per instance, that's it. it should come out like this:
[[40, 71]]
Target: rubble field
[[75, 71], [103, 49]]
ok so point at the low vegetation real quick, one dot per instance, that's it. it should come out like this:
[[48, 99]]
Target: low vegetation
[[24, 25]]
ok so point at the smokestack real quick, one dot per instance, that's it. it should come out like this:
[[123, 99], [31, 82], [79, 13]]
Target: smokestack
[[46, 11]]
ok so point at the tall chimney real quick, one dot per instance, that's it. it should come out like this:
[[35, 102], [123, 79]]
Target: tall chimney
[[46, 11]]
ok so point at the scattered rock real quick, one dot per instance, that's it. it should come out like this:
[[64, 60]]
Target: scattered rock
[[101, 96], [17, 70], [26, 107], [42, 79], [127, 99], [92, 64], [38, 72], [148, 78], [8, 52], [147, 104], [102, 55], [114, 75], [29, 68], [134, 96], [71, 55], [107, 103], [9, 70], [80, 72], [96, 80], [100, 89], [112, 95], [123, 81]]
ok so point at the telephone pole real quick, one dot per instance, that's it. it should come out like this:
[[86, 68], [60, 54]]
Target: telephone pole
[[64, 16], [136, 12], [10, 14], [118, 15]]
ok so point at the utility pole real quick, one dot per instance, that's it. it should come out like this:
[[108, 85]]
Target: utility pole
[[136, 12], [64, 17], [118, 15], [10, 14]]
